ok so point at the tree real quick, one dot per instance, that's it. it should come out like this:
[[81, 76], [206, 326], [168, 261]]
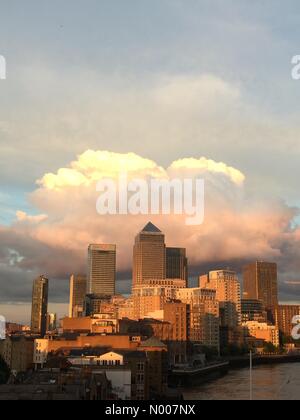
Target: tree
[[270, 348]]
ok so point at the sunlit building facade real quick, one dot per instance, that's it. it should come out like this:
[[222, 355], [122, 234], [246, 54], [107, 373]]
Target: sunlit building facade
[[228, 294], [284, 315], [39, 308], [149, 256], [203, 318]]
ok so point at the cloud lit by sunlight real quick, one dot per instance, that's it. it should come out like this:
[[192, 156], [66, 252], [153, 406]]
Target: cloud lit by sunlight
[[54, 242]]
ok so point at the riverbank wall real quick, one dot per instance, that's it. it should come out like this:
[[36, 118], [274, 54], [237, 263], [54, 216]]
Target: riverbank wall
[[243, 362], [186, 378], [197, 376]]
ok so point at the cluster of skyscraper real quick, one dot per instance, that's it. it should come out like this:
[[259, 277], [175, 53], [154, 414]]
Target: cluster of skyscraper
[[160, 278], [153, 263]]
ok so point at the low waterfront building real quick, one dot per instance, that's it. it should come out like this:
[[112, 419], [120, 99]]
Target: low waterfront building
[[203, 317], [262, 331]]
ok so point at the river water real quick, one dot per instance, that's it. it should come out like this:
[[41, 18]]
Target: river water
[[276, 382]]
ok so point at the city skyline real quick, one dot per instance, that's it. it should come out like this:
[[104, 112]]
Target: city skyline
[[64, 308], [149, 202], [166, 332]]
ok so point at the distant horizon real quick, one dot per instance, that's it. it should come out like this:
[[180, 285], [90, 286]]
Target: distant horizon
[[62, 308]]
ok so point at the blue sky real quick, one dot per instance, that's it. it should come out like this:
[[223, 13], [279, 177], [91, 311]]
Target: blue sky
[[87, 74], [125, 45]]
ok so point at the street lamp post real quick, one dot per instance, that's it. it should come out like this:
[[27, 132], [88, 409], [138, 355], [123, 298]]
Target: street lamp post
[[251, 376]]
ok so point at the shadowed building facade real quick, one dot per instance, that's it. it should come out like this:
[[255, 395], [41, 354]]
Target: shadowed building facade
[[177, 263], [101, 270], [17, 352], [177, 314], [77, 295]]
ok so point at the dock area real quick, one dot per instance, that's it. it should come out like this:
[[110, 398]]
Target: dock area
[[190, 376]]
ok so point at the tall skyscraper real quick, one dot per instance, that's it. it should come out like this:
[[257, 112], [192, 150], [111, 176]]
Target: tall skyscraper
[[78, 286], [260, 283], [228, 294], [149, 255], [101, 270], [177, 263], [39, 306]]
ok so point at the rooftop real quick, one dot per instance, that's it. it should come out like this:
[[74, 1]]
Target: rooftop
[[151, 228], [152, 342]]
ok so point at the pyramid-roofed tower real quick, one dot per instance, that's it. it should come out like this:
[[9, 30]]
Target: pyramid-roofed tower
[[151, 228], [149, 255]]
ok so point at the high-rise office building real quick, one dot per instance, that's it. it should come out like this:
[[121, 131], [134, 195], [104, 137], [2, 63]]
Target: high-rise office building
[[101, 270], [39, 306], [228, 294], [78, 285], [176, 263], [149, 255], [260, 283]]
